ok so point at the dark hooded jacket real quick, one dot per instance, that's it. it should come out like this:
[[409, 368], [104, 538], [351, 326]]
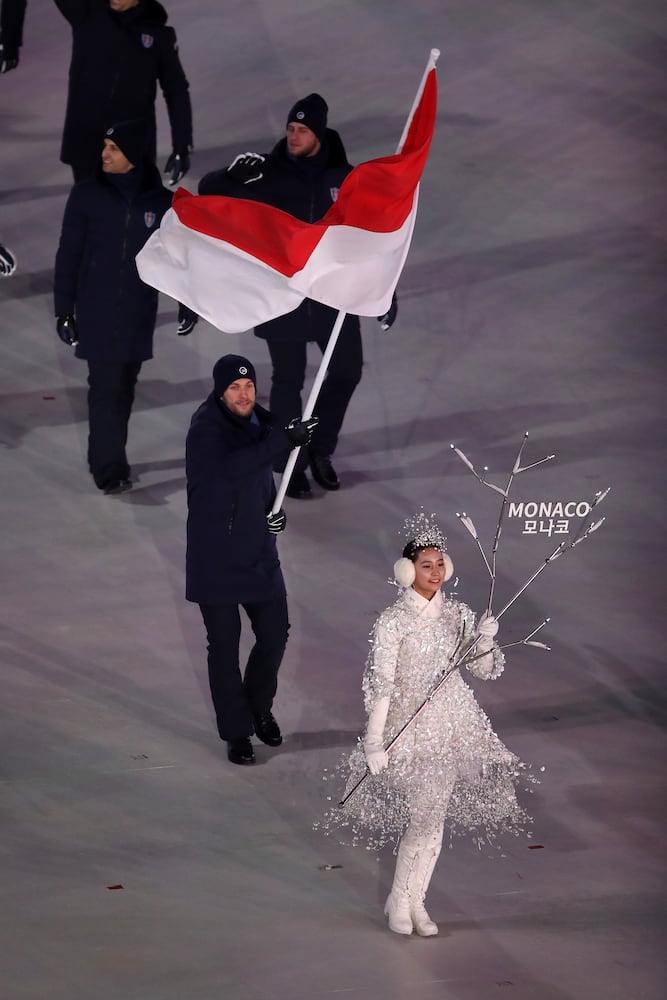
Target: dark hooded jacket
[[106, 223], [232, 556], [305, 188], [118, 57]]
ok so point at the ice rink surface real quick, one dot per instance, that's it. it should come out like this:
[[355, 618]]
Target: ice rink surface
[[533, 299]]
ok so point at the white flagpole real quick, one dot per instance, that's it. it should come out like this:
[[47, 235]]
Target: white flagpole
[[433, 57], [340, 318], [309, 407]]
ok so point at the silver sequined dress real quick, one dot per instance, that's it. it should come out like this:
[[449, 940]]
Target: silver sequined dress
[[449, 766]]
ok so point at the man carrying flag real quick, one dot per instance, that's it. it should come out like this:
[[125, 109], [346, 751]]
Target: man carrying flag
[[302, 176], [240, 262]]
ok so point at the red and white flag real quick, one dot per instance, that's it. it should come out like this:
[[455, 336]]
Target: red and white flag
[[238, 263]]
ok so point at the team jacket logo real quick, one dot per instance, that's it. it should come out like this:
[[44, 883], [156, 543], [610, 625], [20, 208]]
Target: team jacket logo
[[149, 219], [147, 41], [334, 193]]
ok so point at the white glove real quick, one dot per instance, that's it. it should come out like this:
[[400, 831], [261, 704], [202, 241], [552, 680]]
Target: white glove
[[487, 629], [377, 757]]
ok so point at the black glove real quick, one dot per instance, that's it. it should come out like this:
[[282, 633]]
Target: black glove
[[246, 168], [276, 522], [66, 328], [7, 262], [387, 320], [301, 431], [176, 167], [187, 320], [9, 57]]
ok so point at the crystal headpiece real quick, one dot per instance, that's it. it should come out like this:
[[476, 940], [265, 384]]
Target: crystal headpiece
[[422, 529]]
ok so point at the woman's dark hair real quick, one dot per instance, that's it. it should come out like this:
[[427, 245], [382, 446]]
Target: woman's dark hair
[[412, 549]]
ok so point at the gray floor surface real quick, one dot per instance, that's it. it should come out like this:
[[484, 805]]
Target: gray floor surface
[[138, 863]]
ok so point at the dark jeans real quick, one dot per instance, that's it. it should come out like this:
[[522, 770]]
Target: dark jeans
[[289, 372], [110, 398], [237, 698]]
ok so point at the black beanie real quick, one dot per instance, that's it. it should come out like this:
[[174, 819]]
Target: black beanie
[[312, 112], [226, 370], [131, 137]]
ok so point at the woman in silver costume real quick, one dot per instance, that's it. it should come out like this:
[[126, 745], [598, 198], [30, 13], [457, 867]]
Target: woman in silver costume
[[448, 767]]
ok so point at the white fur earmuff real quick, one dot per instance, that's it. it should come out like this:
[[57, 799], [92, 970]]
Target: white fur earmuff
[[404, 570]]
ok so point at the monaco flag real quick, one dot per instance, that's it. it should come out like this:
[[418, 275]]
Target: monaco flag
[[238, 263]]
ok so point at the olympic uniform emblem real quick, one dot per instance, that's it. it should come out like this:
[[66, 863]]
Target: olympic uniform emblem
[[149, 219], [147, 40]]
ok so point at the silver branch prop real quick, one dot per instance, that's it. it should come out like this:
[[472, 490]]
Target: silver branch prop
[[458, 659], [517, 469], [460, 656], [586, 528], [528, 639]]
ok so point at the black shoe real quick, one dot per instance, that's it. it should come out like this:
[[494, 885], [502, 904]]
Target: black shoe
[[240, 751], [299, 487], [118, 486], [267, 729], [324, 472]]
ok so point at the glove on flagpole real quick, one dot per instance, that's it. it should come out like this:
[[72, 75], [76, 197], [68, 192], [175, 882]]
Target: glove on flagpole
[[340, 319]]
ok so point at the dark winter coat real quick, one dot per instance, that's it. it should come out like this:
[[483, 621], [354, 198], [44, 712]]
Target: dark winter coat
[[12, 13], [231, 554], [305, 188], [96, 276], [117, 60]]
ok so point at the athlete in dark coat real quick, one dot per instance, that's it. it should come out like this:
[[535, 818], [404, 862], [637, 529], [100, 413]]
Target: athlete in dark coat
[[102, 305], [302, 176], [232, 557], [121, 49]]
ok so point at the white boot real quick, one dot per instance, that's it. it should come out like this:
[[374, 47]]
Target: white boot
[[419, 881], [423, 924], [397, 907], [397, 911]]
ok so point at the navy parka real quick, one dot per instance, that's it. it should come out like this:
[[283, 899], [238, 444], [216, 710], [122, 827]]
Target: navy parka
[[96, 277], [232, 556], [118, 58]]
